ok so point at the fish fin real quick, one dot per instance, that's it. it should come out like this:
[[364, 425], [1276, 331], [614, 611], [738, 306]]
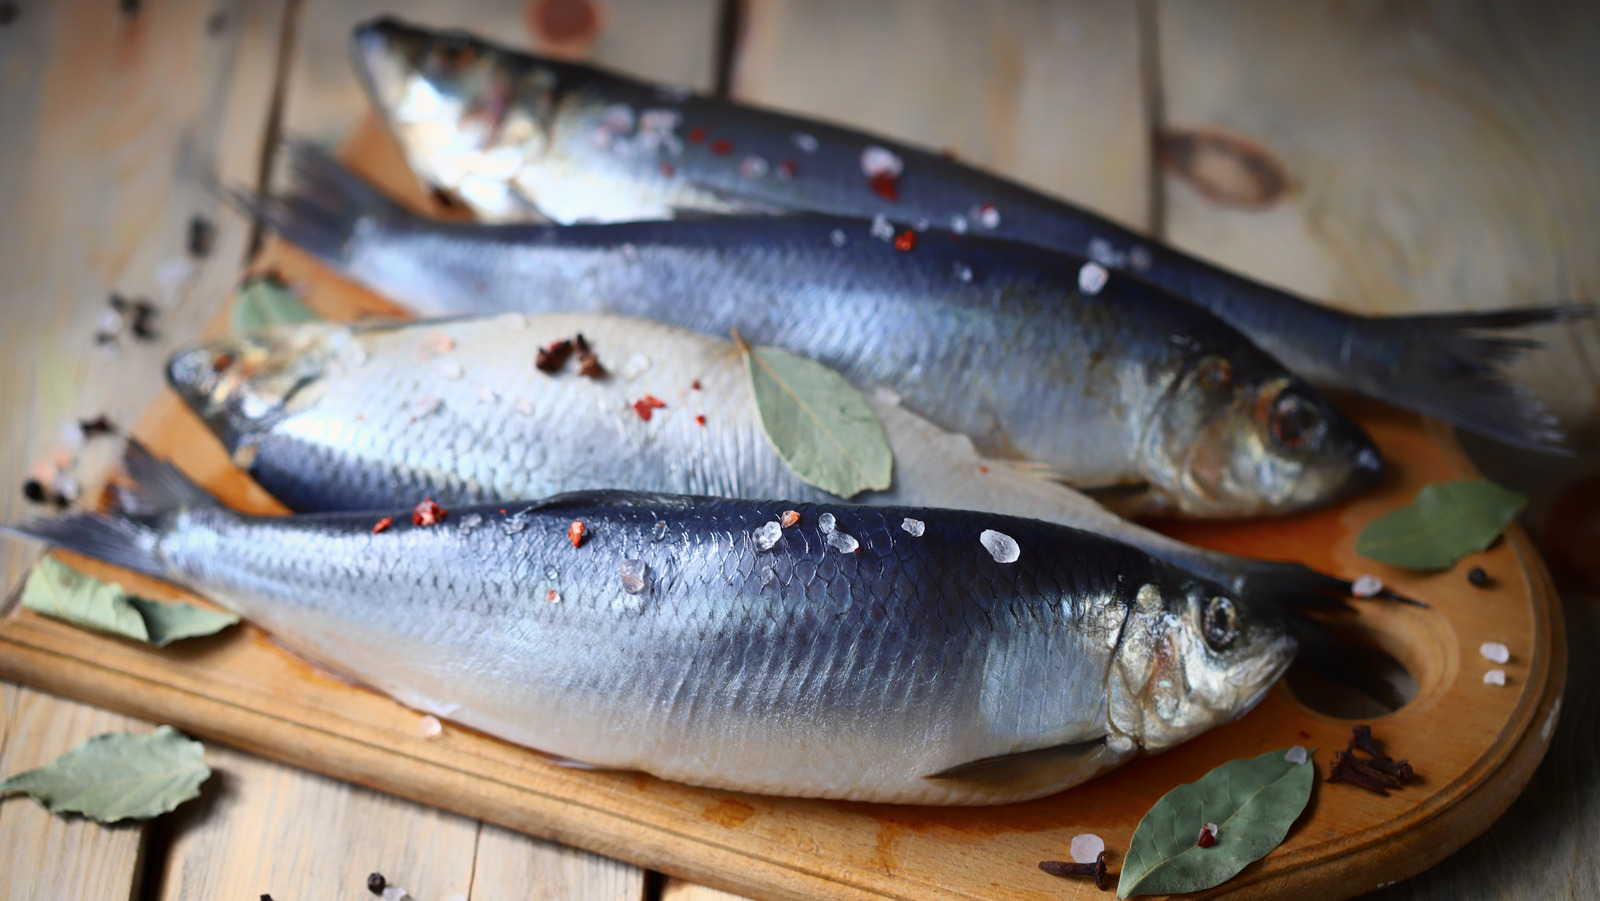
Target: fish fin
[[1035, 769], [157, 486], [121, 541], [327, 209], [1453, 374]]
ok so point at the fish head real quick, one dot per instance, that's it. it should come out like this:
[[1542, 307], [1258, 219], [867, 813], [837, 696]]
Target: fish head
[[465, 113], [1238, 436], [243, 384], [1192, 655]]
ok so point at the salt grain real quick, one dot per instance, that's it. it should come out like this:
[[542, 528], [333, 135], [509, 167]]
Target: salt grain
[[1002, 547], [963, 272], [804, 141], [1296, 755], [753, 167], [394, 893], [843, 543], [958, 224], [838, 237], [826, 523], [881, 229], [913, 527], [876, 161], [1495, 651], [1366, 587], [635, 576], [1087, 847], [988, 215], [1494, 677], [1092, 277], [767, 536], [429, 726]]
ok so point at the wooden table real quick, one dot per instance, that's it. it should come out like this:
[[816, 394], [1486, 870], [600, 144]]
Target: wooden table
[[1435, 159]]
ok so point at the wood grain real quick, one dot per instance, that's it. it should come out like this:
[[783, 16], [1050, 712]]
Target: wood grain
[[678, 890], [1441, 157], [43, 855], [1049, 93], [515, 867], [111, 129]]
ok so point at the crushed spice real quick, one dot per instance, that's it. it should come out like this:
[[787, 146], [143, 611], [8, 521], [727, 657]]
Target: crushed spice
[[905, 241], [789, 519], [1377, 774], [576, 533], [646, 405], [428, 513], [382, 524], [552, 357]]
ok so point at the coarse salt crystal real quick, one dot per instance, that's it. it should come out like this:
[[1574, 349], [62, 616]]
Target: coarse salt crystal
[[635, 576], [1002, 547], [881, 229], [1494, 677], [805, 142], [1087, 847], [843, 543], [766, 537], [838, 238], [826, 523], [394, 893], [1296, 755], [753, 167], [963, 272], [876, 161], [988, 215], [1366, 587], [1495, 651], [1092, 277], [429, 726], [1102, 252], [913, 527]]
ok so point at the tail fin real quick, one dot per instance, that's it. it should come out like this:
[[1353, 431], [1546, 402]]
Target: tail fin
[[1458, 376], [129, 536], [326, 210]]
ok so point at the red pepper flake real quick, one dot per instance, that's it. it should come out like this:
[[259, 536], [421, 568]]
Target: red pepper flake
[[905, 241], [552, 596], [701, 420], [787, 170], [382, 524], [666, 169], [576, 533], [646, 404], [1208, 836], [551, 359], [428, 513], [221, 361], [696, 135], [886, 185], [695, 384], [983, 469], [722, 146], [789, 518]]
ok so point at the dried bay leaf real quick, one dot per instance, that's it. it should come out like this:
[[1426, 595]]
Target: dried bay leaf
[[265, 301], [819, 423], [56, 590], [1446, 522], [1252, 801], [119, 776]]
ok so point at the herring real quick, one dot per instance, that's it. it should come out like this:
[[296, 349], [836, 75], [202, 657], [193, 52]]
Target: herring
[[333, 417], [1123, 388], [518, 136], [905, 670]]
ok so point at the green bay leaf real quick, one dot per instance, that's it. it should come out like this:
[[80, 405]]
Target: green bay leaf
[[118, 776], [56, 590], [265, 300], [818, 423], [1446, 522], [1253, 802]]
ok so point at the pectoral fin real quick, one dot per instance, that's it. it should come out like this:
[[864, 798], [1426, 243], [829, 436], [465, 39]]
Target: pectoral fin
[[1024, 770]]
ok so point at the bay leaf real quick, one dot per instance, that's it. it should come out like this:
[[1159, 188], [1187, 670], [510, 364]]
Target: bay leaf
[[1446, 522], [264, 301], [819, 423], [56, 590], [1252, 801], [118, 776]]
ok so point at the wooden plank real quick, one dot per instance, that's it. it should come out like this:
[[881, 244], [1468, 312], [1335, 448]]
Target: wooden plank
[[679, 890], [1440, 158], [1050, 94], [1545, 845], [514, 866], [111, 127], [43, 855], [266, 828], [668, 40]]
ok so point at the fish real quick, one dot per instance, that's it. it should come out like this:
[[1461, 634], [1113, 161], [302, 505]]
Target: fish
[[1108, 382], [970, 659], [332, 417], [518, 137]]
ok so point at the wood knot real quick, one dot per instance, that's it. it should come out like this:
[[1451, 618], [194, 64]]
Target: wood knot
[[1225, 168]]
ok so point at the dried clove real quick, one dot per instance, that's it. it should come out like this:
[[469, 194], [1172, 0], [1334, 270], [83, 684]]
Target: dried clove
[[588, 364], [1097, 869], [1361, 740]]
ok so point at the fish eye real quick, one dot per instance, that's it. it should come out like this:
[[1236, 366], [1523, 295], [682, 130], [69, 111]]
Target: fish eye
[[1296, 422], [1220, 623]]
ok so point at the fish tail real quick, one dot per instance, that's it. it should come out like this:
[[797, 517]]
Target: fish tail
[[328, 209], [1455, 372], [130, 534]]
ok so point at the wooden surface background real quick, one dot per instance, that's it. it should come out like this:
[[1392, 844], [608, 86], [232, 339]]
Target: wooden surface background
[[1439, 156]]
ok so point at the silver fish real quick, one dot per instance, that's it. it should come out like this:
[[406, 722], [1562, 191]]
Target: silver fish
[[979, 659], [330, 417], [1105, 380], [519, 137]]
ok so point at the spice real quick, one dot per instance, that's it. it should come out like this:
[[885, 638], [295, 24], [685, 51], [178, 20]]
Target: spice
[[376, 883], [787, 170], [588, 363], [722, 147], [905, 241], [550, 359], [33, 490], [789, 519], [700, 420], [1377, 774], [382, 524], [1208, 836], [202, 236], [696, 135], [665, 169], [1097, 869], [576, 533], [99, 425], [646, 405], [428, 513], [1478, 577], [886, 186]]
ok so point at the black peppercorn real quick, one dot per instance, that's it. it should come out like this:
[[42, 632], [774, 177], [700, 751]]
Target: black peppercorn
[[33, 490], [376, 883], [1477, 576]]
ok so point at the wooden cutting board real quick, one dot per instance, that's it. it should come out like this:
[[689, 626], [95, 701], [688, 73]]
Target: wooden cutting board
[[1473, 745]]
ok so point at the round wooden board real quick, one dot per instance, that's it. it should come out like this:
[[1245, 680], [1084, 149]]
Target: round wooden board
[[1473, 745]]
